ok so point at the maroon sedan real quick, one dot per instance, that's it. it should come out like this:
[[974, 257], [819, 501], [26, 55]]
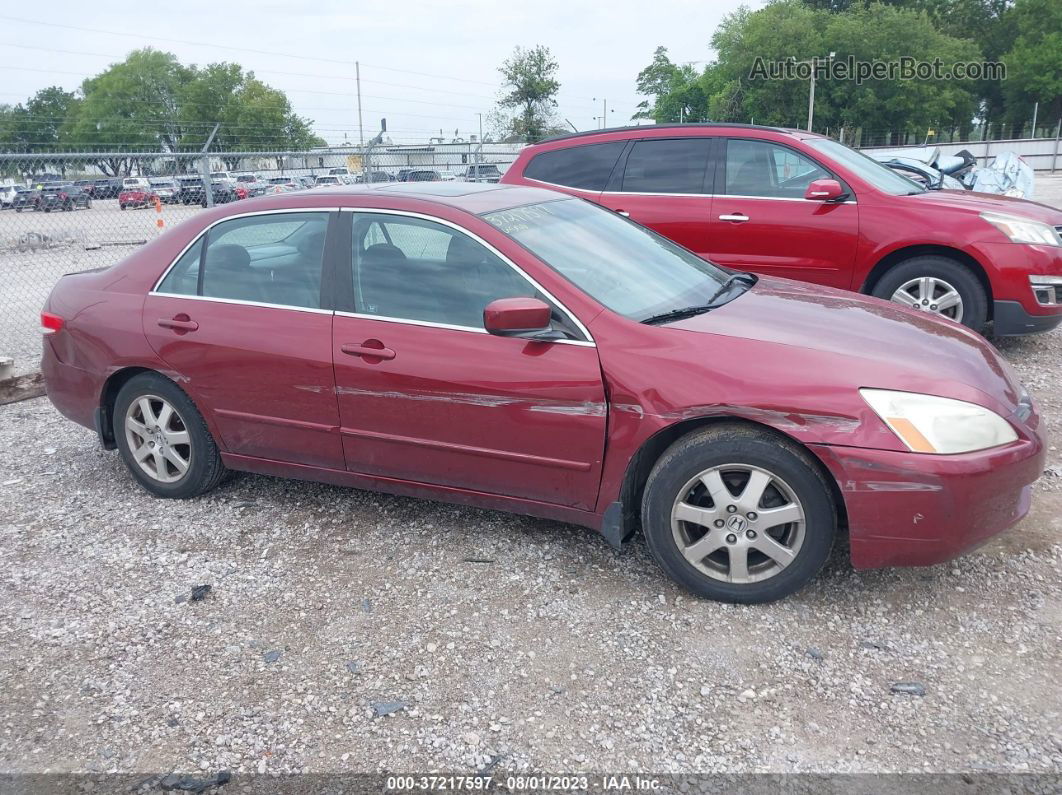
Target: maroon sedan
[[519, 349]]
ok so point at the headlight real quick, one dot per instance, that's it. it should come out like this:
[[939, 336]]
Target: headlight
[[1023, 230], [930, 424]]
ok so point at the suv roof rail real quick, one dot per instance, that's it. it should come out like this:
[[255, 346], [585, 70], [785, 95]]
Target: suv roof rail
[[677, 125]]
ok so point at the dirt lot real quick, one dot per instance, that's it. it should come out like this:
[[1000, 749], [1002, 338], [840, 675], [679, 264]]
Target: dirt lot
[[499, 642]]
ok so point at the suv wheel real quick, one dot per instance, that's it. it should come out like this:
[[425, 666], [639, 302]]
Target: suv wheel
[[937, 285], [738, 514], [164, 440]]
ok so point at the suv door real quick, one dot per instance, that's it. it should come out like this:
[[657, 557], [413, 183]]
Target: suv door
[[242, 319], [666, 184], [427, 395], [762, 222]]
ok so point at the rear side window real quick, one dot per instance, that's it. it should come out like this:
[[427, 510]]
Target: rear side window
[[587, 167], [671, 165], [265, 259]]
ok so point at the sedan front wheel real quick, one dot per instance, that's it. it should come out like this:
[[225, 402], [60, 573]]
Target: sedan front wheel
[[738, 514]]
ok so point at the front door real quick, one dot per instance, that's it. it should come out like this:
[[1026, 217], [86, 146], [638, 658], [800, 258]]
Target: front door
[[666, 184], [443, 402], [241, 321], [761, 221]]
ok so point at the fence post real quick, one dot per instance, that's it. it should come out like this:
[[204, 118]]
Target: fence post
[[204, 167], [1054, 155]]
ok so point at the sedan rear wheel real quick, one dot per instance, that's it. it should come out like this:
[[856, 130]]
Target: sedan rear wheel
[[164, 440], [738, 514]]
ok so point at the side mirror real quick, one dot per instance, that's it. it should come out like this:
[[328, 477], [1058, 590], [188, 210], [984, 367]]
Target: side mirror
[[517, 317], [824, 190]]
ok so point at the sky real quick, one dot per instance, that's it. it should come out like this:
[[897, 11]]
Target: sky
[[425, 66]]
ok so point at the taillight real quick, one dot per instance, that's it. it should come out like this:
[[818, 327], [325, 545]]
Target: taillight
[[50, 322], [63, 197]]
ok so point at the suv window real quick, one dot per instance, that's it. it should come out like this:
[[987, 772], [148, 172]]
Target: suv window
[[414, 269], [587, 167], [760, 168], [669, 165], [265, 259]]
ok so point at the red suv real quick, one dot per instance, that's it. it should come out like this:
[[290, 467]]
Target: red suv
[[799, 205]]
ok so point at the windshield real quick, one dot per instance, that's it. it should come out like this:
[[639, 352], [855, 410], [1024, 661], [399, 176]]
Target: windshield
[[866, 168], [631, 270]]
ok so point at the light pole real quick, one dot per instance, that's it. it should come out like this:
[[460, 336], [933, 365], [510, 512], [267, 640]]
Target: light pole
[[811, 93], [604, 111]]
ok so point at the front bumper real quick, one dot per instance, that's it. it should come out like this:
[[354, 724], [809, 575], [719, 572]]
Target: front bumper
[[911, 509], [1010, 318]]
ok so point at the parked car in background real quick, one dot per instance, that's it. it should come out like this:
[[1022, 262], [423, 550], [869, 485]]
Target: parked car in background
[[375, 176], [136, 193], [482, 172], [166, 188], [223, 192], [8, 194], [221, 176], [330, 179], [795, 204], [64, 197], [423, 175], [294, 183], [106, 188], [26, 199], [403, 174], [340, 171], [190, 189], [252, 183], [87, 186], [518, 349]]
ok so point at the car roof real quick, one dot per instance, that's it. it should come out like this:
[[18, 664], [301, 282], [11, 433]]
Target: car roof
[[684, 126], [472, 197]]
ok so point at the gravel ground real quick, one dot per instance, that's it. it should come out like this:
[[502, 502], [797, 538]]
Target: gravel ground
[[497, 640], [491, 640]]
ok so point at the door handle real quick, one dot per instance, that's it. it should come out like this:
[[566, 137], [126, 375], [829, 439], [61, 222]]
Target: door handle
[[367, 351], [178, 323], [624, 213], [736, 217]]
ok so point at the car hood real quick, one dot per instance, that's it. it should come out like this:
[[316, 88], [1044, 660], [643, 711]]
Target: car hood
[[832, 339], [986, 202]]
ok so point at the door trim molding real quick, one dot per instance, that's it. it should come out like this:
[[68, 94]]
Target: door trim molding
[[486, 452], [284, 422]]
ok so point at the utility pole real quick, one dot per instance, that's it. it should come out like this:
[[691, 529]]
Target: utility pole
[[604, 112], [479, 150], [1036, 109], [811, 93], [361, 129]]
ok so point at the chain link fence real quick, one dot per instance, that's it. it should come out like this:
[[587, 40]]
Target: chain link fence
[[68, 212]]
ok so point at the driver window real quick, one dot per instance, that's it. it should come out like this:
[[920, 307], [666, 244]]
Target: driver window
[[415, 269], [759, 168]]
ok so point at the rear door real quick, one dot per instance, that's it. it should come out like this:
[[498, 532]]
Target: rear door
[[243, 321], [445, 402], [666, 184], [761, 221]]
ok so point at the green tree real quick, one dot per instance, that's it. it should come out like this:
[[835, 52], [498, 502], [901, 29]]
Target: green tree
[[530, 85], [1034, 63], [133, 105], [876, 32], [677, 92]]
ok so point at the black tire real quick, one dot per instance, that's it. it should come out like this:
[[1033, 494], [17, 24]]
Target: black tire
[[121, 206], [959, 276], [740, 445], [205, 469], [18, 209], [88, 204]]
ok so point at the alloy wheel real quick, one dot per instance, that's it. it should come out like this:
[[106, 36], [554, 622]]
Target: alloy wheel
[[738, 523], [158, 438], [930, 294]]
